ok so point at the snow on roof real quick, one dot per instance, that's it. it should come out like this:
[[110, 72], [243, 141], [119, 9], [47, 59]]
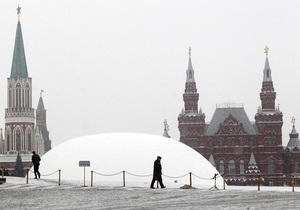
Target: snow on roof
[[134, 153]]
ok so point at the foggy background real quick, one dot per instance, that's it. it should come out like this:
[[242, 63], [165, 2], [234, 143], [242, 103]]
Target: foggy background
[[120, 65]]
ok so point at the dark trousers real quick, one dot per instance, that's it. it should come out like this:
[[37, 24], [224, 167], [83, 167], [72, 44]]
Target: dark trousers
[[159, 179], [36, 171]]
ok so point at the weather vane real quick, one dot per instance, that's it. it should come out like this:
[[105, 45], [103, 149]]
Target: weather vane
[[190, 51], [266, 51], [19, 11], [41, 92], [166, 126], [293, 121]]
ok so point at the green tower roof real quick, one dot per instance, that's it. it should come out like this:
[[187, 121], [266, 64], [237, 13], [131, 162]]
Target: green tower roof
[[19, 67]]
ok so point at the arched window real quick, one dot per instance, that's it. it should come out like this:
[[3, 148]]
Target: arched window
[[221, 142], [29, 141], [241, 142], [271, 166], [18, 140], [296, 168], [211, 144], [242, 167], [231, 167], [221, 167], [18, 97], [7, 142]]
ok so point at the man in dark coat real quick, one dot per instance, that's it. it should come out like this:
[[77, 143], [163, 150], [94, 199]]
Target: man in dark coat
[[157, 173], [35, 158]]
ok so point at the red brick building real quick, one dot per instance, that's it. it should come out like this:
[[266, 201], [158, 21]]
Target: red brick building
[[238, 148], [292, 156]]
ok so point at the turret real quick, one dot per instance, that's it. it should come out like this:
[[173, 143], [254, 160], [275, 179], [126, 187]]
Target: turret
[[19, 114], [268, 118], [191, 122]]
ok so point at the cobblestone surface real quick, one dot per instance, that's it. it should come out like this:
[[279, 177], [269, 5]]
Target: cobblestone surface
[[52, 196]]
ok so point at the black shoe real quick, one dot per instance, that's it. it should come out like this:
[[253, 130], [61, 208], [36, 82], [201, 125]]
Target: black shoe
[[152, 187], [35, 178], [163, 187]]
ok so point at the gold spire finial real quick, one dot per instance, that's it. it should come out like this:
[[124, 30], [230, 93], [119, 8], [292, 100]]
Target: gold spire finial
[[166, 126], [41, 92], [266, 51], [293, 121], [19, 12], [190, 51]]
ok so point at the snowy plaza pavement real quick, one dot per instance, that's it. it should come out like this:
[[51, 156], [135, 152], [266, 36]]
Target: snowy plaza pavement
[[44, 194]]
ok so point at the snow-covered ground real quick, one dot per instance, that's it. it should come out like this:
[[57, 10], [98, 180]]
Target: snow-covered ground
[[47, 194]]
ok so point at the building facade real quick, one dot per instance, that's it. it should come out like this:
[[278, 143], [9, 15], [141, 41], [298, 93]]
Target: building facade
[[292, 156], [238, 148]]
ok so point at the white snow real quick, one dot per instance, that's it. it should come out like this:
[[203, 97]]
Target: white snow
[[45, 194], [113, 153]]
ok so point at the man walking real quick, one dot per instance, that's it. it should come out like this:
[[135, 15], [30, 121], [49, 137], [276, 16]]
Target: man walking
[[157, 171], [36, 163]]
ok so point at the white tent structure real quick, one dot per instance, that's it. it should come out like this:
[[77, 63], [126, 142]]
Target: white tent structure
[[115, 155]]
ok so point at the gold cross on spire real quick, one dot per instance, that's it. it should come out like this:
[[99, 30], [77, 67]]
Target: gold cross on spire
[[166, 126], [266, 51], [293, 121], [190, 51]]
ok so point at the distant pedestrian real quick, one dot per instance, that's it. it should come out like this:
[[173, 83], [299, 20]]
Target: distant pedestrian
[[157, 171], [36, 163]]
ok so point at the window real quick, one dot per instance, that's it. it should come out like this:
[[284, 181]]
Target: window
[[242, 167], [231, 167], [271, 166], [221, 167], [296, 168], [241, 142]]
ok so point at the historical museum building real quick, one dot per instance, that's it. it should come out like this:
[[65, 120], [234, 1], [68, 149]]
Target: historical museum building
[[25, 127], [240, 149]]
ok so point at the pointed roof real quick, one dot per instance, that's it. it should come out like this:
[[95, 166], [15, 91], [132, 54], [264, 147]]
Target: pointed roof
[[200, 111], [252, 166], [166, 134], [212, 160], [19, 66], [190, 70], [294, 140], [267, 69], [267, 72], [40, 106], [221, 113], [252, 160]]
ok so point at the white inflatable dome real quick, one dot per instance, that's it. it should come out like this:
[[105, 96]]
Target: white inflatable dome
[[112, 153]]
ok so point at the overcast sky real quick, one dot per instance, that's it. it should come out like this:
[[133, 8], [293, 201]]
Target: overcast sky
[[120, 66]]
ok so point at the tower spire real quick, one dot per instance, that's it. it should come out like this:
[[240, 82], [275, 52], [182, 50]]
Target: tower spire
[[190, 117], [267, 69], [267, 95], [190, 70], [19, 114], [19, 66]]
